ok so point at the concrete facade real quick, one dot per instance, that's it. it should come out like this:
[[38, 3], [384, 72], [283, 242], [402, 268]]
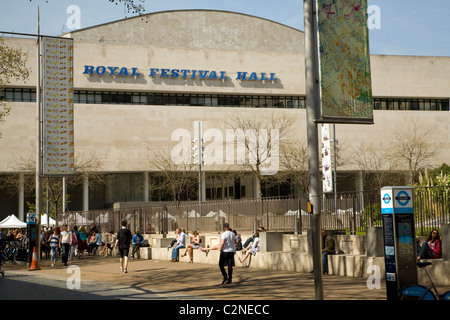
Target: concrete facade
[[293, 253], [123, 135]]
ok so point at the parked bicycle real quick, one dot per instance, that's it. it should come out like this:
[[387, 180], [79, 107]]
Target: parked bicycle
[[420, 292], [10, 251]]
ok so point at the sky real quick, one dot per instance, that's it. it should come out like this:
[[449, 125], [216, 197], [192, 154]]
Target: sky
[[398, 27]]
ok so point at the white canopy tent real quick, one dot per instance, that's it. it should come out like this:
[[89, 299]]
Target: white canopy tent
[[103, 218], [11, 222], [78, 220], [44, 221]]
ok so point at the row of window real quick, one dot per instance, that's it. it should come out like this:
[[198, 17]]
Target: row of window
[[165, 99], [411, 104], [183, 99], [214, 100]]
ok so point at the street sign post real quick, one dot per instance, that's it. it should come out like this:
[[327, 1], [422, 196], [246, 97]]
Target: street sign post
[[400, 251]]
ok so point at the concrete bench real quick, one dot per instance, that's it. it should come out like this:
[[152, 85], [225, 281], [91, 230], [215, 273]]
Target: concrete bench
[[353, 265], [197, 255], [145, 253], [439, 272], [348, 265]]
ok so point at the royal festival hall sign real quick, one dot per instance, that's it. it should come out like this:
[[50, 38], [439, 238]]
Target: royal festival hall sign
[[178, 73]]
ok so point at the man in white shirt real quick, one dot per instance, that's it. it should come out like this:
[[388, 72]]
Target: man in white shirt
[[227, 250], [65, 243], [181, 243]]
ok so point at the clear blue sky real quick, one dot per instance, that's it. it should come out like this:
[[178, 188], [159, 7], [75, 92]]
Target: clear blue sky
[[407, 27]]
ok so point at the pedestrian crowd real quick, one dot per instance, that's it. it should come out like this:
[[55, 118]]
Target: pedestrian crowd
[[230, 243], [73, 243], [86, 241]]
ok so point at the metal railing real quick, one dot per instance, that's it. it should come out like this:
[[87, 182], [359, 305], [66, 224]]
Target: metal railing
[[350, 212], [431, 208]]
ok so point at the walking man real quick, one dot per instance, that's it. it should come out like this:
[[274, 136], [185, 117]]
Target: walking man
[[124, 238], [227, 250]]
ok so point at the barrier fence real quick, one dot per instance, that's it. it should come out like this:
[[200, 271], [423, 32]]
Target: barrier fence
[[349, 212]]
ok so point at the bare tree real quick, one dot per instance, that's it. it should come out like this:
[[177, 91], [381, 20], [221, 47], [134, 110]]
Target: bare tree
[[413, 150], [262, 139], [176, 178], [374, 165], [294, 165], [25, 166]]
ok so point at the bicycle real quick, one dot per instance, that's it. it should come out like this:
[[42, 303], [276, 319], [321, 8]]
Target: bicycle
[[420, 292], [10, 251]]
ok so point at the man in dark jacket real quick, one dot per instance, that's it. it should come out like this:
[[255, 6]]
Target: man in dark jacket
[[123, 241], [328, 247]]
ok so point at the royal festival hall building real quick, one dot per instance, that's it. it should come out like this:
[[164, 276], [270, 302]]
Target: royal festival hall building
[[142, 82]]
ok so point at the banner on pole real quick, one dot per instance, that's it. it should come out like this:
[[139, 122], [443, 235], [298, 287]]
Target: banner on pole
[[327, 176], [57, 107], [345, 77]]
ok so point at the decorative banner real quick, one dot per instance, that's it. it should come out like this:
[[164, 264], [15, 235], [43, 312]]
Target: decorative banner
[[345, 79], [327, 177], [57, 102]]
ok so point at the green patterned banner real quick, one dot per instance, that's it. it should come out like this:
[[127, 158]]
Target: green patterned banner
[[345, 80]]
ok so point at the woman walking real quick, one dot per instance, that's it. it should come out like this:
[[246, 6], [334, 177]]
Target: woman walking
[[74, 245], [82, 243], [54, 246]]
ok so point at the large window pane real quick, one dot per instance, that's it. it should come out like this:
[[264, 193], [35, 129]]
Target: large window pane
[[27, 95], [17, 95]]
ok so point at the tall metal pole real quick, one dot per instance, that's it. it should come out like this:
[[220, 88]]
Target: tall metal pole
[[200, 162], [335, 165], [312, 113], [64, 201], [38, 145]]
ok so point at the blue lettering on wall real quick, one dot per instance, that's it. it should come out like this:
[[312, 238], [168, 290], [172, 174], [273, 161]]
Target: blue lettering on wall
[[241, 76], [203, 74], [112, 70], [164, 73], [153, 72], [123, 72], [100, 70], [213, 75], [179, 73], [223, 75], [253, 76], [184, 73], [135, 73], [88, 69]]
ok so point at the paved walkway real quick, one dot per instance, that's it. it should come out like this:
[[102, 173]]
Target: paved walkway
[[153, 279]]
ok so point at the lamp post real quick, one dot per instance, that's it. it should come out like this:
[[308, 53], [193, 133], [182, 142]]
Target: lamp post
[[312, 114], [198, 159]]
